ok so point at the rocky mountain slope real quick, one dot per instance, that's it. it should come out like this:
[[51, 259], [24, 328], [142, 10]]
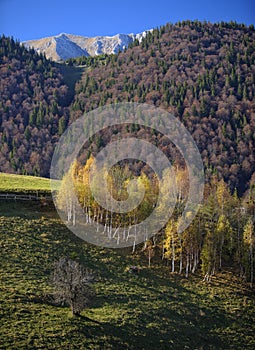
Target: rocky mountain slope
[[64, 46]]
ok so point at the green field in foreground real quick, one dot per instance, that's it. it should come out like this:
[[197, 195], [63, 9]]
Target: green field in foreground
[[155, 310], [24, 183]]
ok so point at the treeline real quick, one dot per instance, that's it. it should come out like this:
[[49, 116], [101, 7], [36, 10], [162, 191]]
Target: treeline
[[89, 61], [33, 111], [222, 234], [204, 74]]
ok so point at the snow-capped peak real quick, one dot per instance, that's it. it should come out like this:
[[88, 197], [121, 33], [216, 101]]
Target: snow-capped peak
[[64, 46]]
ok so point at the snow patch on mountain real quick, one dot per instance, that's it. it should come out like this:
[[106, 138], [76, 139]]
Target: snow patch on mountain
[[64, 46]]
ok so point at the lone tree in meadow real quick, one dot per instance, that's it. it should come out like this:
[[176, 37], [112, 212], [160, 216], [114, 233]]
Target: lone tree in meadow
[[73, 284]]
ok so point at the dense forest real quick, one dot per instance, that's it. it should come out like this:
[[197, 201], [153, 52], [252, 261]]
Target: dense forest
[[203, 73], [33, 110]]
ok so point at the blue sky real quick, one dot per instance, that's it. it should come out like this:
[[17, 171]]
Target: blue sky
[[33, 19]]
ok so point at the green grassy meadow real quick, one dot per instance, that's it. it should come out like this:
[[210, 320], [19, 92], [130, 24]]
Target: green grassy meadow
[[155, 310], [24, 183]]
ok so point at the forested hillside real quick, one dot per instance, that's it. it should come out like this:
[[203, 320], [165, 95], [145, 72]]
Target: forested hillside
[[202, 72], [33, 109]]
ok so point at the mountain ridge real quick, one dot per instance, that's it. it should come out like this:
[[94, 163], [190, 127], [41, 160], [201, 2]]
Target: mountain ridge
[[64, 46]]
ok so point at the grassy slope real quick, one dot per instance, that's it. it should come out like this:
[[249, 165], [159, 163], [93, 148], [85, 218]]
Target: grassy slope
[[23, 183], [156, 310]]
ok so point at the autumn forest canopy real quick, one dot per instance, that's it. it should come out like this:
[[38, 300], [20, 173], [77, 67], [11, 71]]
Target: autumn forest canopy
[[203, 73]]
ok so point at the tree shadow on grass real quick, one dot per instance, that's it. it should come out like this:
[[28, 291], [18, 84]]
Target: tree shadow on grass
[[177, 333], [166, 322]]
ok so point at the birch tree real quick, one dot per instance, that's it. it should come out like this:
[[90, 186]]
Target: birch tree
[[171, 243], [249, 241]]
